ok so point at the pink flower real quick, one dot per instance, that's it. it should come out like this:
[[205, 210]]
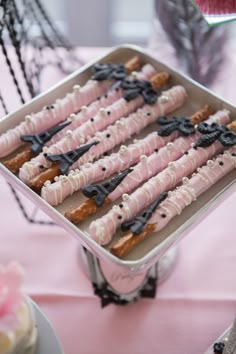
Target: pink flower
[[11, 278]]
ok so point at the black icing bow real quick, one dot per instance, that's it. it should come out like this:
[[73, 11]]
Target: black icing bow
[[69, 158], [219, 347], [39, 140], [137, 224], [109, 71], [181, 124], [100, 191], [213, 132], [134, 88]]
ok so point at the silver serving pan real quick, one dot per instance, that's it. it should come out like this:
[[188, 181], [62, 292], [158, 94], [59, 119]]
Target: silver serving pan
[[151, 249]]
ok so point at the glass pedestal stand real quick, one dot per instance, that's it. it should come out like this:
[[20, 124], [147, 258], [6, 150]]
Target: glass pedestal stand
[[113, 284]]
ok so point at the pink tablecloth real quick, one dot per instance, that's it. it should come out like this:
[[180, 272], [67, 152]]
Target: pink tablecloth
[[193, 307]]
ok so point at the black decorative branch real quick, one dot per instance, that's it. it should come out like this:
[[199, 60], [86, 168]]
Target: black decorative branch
[[32, 52], [198, 46]]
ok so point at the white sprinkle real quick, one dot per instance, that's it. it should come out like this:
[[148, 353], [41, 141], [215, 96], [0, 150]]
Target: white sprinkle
[[76, 87], [164, 99], [171, 164], [47, 183], [185, 180], [72, 116], [134, 73], [169, 145], [143, 158], [69, 133], [125, 197], [119, 123], [28, 118], [210, 163]]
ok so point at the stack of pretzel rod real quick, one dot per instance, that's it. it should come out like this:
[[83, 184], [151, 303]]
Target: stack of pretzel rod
[[85, 113], [51, 115], [176, 201], [110, 191], [169, 101], [215, 138], [100, 121], [107, 139]]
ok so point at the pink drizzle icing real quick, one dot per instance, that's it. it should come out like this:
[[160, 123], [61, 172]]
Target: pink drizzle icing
[[57, 192], [104, 228], [192, 188], [84, 132], [46, 118]]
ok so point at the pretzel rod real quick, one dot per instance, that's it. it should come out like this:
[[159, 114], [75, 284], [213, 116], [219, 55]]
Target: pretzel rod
[[37, 142], [172, 99], [60, 165], [56, 192], [112, 95], [59, 111], [107, 140], [103, 229], [15, 163], [86, 113], [83, 133], [146, 168], [178, 199]]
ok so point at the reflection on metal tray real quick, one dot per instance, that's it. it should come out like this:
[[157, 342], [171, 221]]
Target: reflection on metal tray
[[152, 248]]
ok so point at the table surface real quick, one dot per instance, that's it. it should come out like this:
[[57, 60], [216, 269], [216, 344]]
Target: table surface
[[191, 309]]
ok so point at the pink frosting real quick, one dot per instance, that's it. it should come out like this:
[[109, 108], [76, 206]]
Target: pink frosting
[[150, 166], [62, 108], [87, 112], [57, 192], [104, 228], [11, 278], [84, 132], [192, 188]]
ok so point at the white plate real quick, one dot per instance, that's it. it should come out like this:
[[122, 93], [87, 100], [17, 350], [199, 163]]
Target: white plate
[[48, 342]]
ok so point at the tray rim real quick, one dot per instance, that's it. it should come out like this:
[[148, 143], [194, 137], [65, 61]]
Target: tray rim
[[152, 256]]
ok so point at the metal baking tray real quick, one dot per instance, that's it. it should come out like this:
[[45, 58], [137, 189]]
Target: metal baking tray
[[152, 248]]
